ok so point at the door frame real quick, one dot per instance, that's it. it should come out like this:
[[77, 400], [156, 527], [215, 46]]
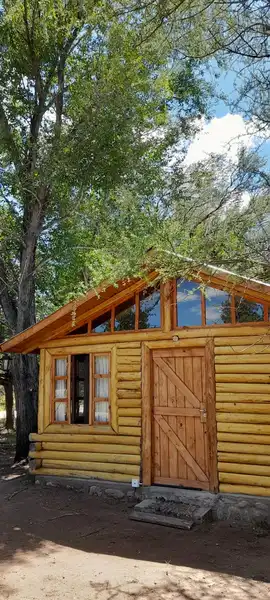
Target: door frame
[[210, 400]]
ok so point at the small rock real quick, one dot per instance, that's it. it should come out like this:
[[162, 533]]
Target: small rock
[[243, 504], [131, 495], [262, 507], [234, 514], [258, 516], [112, 493], [95, 490], [37, 482], [50, 484]]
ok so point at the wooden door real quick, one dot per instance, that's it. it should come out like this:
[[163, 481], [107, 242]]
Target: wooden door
[[180, 441]]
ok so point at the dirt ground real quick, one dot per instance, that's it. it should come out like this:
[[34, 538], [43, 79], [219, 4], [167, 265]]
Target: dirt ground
[[62, 544]]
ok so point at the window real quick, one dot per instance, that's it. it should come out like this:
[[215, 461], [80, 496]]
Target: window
[[73, 399], [246, 311], [102, 323], [80, 388], [213, 306], [217, 306], [149, 309], [188, 301], [141, 311], [125, 316], [100, 388], [60, 390]]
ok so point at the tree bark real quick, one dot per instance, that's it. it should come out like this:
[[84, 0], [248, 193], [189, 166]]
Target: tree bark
[[25, 380], [9, 403], [25, 367]]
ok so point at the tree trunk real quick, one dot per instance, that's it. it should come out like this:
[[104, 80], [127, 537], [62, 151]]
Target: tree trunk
[[25, 381], [9, 403]]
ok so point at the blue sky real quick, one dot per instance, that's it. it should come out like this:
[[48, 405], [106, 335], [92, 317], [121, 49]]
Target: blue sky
[[226, 131]]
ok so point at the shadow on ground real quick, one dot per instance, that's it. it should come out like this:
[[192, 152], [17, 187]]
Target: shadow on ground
[[45, 522]]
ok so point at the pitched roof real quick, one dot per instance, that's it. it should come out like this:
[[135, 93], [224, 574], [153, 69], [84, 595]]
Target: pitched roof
[[89, 305]]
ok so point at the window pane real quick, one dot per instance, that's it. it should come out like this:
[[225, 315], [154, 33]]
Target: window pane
[[60, 388], [217, 306], [102, 412], [101, 365], [246, 311], [125, 316], [102, 324], [189, 310], [60, 411], [149, 309], [79, 330], [80, 388], [61, 367], [102, 387], [80, 403]]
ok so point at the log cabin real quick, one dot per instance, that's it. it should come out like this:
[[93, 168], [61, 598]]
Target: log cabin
[[166, 383]]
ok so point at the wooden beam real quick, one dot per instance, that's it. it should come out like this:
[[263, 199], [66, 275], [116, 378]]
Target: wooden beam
[[210, 400], [174, 411], [47, 390], [239, 478], [146, 417], [253, 459], [244, 489], [113, 403], [92, 437], [249, 369], [257, 428], [73, 455], [41, 393], [73, 472], [187, 483], [166, 303], [243, 438]]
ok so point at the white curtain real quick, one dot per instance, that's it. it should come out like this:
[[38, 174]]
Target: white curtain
[[102, 412], [102, 388], [61, 367], [101, 365], [60, 411], [60, 388]]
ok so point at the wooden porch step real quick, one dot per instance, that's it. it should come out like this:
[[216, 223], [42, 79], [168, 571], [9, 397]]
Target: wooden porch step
[[157, 519]]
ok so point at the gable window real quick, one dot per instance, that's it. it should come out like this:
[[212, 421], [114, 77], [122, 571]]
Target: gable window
[[188, 302], [217, 306], [247, 311], [81, 389], [141, 311], [149, 309], [125, 316], [196, 305], [102, 323]]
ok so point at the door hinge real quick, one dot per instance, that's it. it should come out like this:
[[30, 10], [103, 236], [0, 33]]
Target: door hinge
[[203, 415]]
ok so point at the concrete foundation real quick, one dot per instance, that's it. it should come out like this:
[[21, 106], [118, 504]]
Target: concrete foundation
[[235, 508]]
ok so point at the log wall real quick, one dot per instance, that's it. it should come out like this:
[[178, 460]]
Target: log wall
[[242, 379], [242, 367], [97, 452]]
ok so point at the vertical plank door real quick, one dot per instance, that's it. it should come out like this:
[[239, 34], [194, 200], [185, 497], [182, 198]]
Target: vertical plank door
[[180, 445]]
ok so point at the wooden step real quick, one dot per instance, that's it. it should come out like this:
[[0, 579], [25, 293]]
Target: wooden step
[[158, 519]]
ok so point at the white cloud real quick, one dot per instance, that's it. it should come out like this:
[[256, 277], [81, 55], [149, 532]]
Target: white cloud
[[224, 135]]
